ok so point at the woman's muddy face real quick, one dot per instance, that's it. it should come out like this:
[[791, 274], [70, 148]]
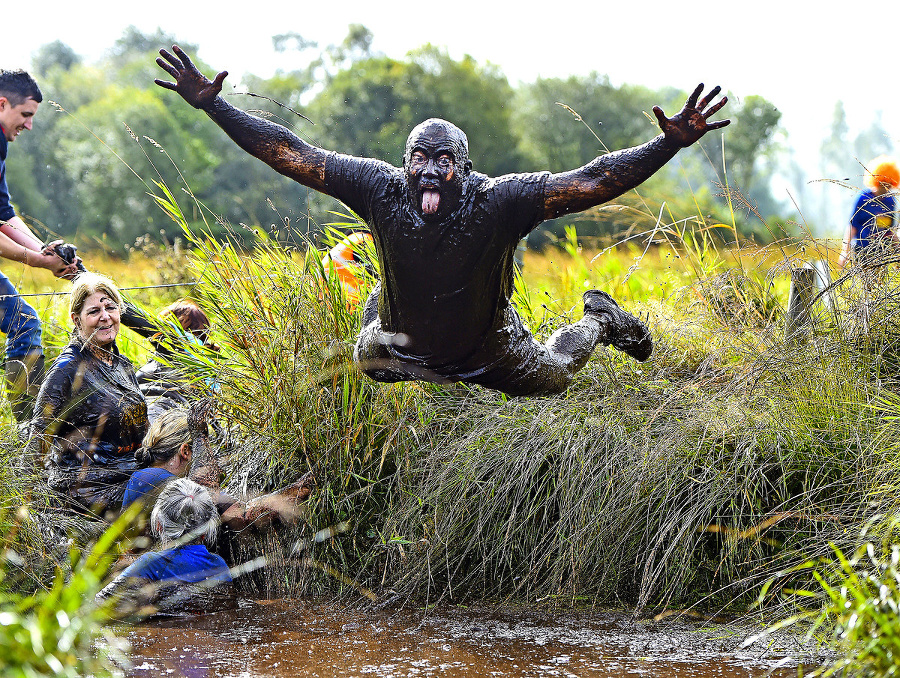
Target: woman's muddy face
[[98, 321]]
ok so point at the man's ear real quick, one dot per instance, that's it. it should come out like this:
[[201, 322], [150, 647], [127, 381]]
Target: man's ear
[[185, 451], [4, 102]]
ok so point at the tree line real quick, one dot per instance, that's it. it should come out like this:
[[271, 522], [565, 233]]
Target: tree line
[[86, 170]]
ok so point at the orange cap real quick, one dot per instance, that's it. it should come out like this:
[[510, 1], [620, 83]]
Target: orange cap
[[883, 170]]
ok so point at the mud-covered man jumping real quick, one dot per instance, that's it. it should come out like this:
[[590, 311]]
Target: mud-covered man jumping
[[446, 237]]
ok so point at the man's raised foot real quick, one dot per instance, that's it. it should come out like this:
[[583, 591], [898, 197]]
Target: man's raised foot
[[623, 330]]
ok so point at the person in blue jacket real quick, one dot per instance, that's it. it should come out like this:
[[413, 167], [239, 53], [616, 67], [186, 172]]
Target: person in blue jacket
[[872, 224], [183, 575]]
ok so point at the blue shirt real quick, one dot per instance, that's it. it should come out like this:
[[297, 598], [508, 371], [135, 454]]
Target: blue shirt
[[873, 218], [144, 481], [6, 209], [188, 564]]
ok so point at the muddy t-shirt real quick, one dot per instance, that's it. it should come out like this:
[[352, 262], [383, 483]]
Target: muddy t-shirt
[[90, 414], [442, 284]]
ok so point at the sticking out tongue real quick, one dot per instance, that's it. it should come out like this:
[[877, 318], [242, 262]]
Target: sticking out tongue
[[430, 201]]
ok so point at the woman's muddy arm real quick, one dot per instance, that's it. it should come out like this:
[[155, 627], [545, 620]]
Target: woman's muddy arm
[[53, 402], [282, 505], [205, 467]]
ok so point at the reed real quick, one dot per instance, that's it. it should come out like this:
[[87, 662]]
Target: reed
[[688, 480]]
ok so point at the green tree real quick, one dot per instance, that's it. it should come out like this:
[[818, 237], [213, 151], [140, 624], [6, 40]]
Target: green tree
[[70, 179], [56, 54], [320, 65], [114, 148], [750, 142], [245, 191], [136, 43], [369, 108], [564, 123]]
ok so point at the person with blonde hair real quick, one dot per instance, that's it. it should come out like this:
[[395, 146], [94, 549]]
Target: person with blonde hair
[[183, 572], [90, 415], [168, 453], [871, 227], [164, 455]]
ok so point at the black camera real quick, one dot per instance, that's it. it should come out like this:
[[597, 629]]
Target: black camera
[[67, 252]]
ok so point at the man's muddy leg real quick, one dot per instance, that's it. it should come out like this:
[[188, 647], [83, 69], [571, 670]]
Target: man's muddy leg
[[371, 353], [620, 329], [603, 323], [519, 365], [572, 345]]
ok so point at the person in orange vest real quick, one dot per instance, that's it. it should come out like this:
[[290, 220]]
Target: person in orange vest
[[346, 260]]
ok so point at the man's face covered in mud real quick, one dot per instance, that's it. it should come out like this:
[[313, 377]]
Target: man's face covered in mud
[[436, 164]]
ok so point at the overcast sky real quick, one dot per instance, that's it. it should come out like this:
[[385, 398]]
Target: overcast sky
[[799, 55]]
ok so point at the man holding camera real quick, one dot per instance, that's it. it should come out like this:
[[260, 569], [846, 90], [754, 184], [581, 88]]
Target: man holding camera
[[19, 101]]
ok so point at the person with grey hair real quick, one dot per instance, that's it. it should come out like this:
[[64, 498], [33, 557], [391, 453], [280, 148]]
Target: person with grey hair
[[90, 414], [184, 511], [183, 575]]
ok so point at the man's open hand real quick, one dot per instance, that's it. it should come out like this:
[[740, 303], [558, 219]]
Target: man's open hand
[[194, 87], [692, 122]]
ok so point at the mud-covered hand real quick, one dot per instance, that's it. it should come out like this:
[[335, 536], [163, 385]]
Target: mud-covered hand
[[68, 253], [198, 418], [692, 121], [194, 87], [205, 468], [49, 259]]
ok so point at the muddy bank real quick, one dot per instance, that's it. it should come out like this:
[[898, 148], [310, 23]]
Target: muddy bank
[[294, 637]]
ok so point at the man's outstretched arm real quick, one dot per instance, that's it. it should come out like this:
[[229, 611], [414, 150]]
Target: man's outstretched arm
[[611, 175], [275, 145]]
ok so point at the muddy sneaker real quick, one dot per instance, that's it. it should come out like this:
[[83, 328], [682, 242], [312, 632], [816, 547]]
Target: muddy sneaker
[[623, 331]]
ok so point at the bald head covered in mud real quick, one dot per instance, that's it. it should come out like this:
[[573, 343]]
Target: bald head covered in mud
[[436, 164], [446, 237]]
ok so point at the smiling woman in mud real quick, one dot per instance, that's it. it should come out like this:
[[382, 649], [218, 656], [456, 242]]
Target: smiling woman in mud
[[90, 415], [446, 238]]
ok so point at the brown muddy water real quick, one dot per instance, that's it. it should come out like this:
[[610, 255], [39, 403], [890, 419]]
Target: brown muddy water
[[283, 638]]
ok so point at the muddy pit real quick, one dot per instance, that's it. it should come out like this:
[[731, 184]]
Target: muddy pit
[[283, 638]]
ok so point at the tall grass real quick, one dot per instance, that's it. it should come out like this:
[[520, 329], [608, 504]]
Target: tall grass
[[58, 628], [688, 480]]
